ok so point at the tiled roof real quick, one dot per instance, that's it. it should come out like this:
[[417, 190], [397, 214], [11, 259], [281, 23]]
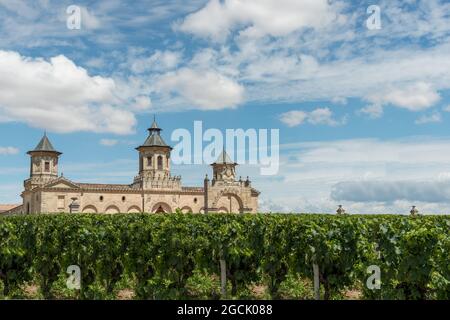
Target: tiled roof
[[154, 139], [105, 186], [45, 145], [6, 207]]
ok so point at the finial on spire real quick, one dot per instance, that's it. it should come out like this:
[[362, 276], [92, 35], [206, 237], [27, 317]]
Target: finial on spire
[[154, 127]]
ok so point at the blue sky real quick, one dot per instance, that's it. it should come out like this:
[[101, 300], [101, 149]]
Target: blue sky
[[363, 114]]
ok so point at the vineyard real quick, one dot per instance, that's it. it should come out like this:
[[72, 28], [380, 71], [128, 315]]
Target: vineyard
[[185, 256]]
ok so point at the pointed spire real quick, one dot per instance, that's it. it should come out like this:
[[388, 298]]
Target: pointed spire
[[223, 158], [154, 139], [154, 127], [44, 145]]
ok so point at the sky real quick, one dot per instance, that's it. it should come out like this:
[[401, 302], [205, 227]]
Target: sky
[[362, 112]]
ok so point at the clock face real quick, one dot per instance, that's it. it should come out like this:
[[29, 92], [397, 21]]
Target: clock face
[[228, 173]]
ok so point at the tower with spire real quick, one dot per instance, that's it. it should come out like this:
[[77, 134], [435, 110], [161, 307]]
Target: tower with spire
[[154, 162], [225, 193], [43, 163], [224, 169]]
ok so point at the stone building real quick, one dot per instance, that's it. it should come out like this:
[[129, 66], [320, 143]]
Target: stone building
[[153, 190]]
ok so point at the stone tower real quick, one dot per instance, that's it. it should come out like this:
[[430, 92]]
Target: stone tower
[[224, 170], [225, 194], [154, 162], [43, 164]]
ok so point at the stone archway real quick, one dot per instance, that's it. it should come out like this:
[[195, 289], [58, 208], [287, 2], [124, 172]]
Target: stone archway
[[112, 210], [230, 201], [134, 209], [89, 209], [161, 207], [186, 209]]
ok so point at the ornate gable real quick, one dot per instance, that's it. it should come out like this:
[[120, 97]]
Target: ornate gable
[[61, 183]]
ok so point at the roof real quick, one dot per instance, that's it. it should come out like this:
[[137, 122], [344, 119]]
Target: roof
[[223, 158], [154, 125], [44, 145], [6, 207], [105, 186], [154, 139]]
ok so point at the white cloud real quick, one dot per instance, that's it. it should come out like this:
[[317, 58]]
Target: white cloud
[[294, 118], [389, 191], [142, 103], [88, 19], [159, 61], [59, 96], [373, 110], [205, 89], [407, 151], [415, 97], [322, 116], [108, 142], [257, 18], [337, 59], [309, 171], [319, 116], [8, 150], [432, 118], [447, 108]]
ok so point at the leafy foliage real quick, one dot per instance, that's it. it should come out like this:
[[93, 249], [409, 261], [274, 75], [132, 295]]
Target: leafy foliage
[[178, 255]]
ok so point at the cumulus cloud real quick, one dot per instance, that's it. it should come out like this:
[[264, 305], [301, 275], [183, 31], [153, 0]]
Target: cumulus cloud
[[205, 89], [418, 150], [267, 205], [374, 111], [311, 171], [390, 191], [257, 18], [8, 150], [60, 96], [414, 97], [88, 19], [318, 116], [108, 142], [432, 118], [141, 103], [314, 63], [159, 61]]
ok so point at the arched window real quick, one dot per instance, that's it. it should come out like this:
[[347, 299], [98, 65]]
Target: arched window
[[149, 161], [47, 166], [160, 162]]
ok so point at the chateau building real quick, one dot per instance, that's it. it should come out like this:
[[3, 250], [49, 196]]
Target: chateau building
[[153, 190]]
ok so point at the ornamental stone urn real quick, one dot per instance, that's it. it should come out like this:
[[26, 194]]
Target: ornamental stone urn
[[340, 210], [414, 211]]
